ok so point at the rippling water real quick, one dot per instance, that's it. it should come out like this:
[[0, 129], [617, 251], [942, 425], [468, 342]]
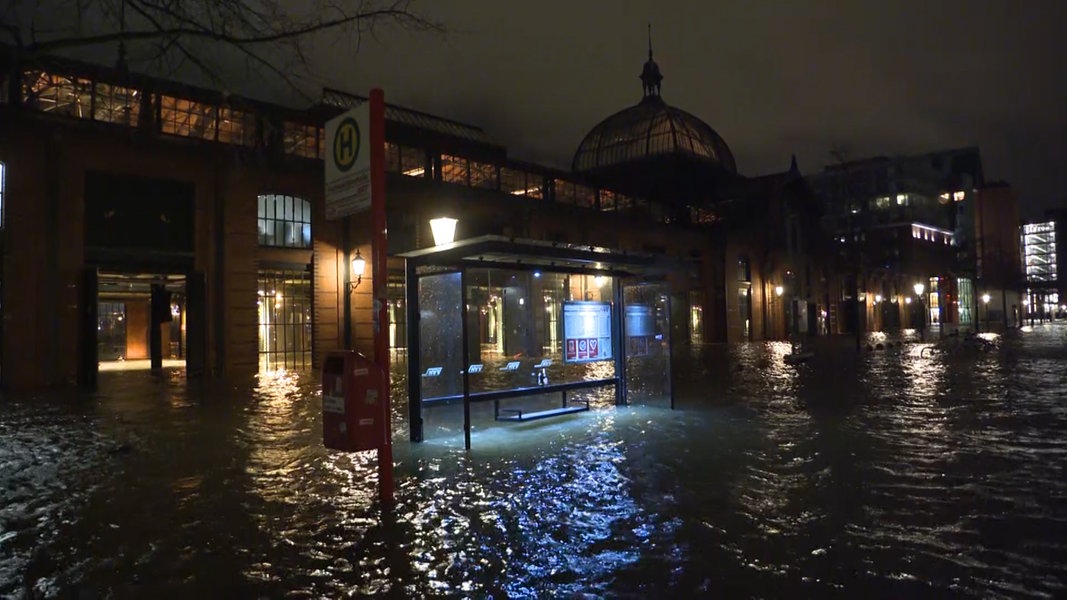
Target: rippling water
[[916, 470]]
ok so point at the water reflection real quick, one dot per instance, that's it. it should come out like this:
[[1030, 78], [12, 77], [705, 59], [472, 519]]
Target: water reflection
[[895, 472]]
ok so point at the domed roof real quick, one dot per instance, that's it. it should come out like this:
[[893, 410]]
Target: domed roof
[[649, 129]]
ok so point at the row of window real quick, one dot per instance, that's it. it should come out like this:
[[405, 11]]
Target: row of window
[[84, 98]]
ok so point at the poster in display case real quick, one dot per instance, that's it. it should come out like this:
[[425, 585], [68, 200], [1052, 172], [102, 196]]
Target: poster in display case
[[586, 331]]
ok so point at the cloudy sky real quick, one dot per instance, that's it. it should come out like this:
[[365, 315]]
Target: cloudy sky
[[772, 77]]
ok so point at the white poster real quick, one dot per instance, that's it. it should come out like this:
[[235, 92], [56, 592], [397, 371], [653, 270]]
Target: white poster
[[586, 331], [347, 162]]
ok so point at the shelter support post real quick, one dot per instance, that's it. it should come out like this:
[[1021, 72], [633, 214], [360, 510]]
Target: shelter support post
[[619, 326], [466, 359], [411, 286]]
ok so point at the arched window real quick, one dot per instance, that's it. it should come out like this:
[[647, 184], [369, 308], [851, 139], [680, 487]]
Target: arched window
[[284, 221]]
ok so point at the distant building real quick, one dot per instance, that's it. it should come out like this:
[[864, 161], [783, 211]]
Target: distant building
[[904, 228], [1043, 251], [996, 251]]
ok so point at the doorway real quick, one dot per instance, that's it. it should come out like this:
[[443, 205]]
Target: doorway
[[128, 307]]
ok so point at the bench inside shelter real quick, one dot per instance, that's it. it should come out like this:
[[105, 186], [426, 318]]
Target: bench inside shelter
[[504, 411]]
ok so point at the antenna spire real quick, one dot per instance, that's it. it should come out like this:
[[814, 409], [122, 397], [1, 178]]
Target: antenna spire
[[650, 75]]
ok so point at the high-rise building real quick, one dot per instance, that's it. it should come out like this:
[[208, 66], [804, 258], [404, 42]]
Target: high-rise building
[[1043, 249]]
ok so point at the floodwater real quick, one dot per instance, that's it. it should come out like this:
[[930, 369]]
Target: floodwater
[[928, 470]]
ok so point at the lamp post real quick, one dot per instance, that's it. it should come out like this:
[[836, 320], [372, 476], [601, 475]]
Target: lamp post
[[778, 291], [985, 306], [922, 310]]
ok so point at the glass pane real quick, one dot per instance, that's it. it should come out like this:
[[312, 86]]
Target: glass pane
[[440, 335], [647, 335]]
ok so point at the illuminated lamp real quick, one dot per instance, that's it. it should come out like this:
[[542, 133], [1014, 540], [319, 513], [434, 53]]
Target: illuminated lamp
[[444, 230], [358, 266]]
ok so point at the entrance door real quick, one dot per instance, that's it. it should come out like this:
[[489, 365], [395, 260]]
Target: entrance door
[[647, 344]]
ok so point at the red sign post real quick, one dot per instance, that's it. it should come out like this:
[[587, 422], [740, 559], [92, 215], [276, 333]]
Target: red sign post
[[355, 181], [381, 278]]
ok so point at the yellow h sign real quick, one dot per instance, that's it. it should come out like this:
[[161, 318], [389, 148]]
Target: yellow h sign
[[346, 144]]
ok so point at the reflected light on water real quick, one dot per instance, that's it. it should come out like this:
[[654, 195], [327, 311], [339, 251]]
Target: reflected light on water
[[886, 473]]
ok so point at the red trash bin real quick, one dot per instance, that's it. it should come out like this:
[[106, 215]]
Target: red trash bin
[[353, 417]]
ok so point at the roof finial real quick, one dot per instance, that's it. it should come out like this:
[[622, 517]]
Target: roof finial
[[650, 75], [650, 41]]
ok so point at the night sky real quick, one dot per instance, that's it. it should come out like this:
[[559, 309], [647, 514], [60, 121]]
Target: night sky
[[773, 78]]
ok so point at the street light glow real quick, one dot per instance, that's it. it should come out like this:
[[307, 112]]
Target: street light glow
[[919, 289], [444, 230]]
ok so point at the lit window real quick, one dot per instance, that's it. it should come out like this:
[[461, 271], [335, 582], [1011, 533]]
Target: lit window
[[412, 161], [300, 139], [236, 127], [284, 221], [285, 320], [483, 175], [186, 118], [455, 169], [958, 196]]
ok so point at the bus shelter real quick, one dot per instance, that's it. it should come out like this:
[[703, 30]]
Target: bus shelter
[[502, 330]]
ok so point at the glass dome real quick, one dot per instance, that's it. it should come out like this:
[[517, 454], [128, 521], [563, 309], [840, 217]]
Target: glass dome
[[649, 129]]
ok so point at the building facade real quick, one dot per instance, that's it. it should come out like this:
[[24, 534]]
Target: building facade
[[147, 218], [905, 231]]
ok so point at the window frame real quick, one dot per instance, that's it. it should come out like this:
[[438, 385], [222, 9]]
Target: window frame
[[295, 214]]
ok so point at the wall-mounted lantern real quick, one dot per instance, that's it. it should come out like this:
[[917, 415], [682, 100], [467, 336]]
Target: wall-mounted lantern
[[358, 266]]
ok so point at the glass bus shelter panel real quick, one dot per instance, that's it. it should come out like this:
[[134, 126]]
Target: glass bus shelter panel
[[440, 335], [515, 328], [647, 325]]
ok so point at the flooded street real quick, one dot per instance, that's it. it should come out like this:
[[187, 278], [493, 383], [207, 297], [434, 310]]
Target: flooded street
[[923, 470]]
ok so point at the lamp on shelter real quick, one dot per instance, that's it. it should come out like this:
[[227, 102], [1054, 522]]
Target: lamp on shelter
[[444, 230]]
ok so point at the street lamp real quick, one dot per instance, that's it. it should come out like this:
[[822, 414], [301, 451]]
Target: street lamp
[[778, 291], [358, 265], [985, 305], [922, 310]]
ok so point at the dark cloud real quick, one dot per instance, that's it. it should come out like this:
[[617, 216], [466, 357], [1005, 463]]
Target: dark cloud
[[773, 78]]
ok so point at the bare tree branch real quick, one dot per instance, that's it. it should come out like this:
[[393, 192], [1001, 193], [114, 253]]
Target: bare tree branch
[[271, 35]]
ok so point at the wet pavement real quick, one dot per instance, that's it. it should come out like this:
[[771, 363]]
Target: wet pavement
[[914, 470]]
